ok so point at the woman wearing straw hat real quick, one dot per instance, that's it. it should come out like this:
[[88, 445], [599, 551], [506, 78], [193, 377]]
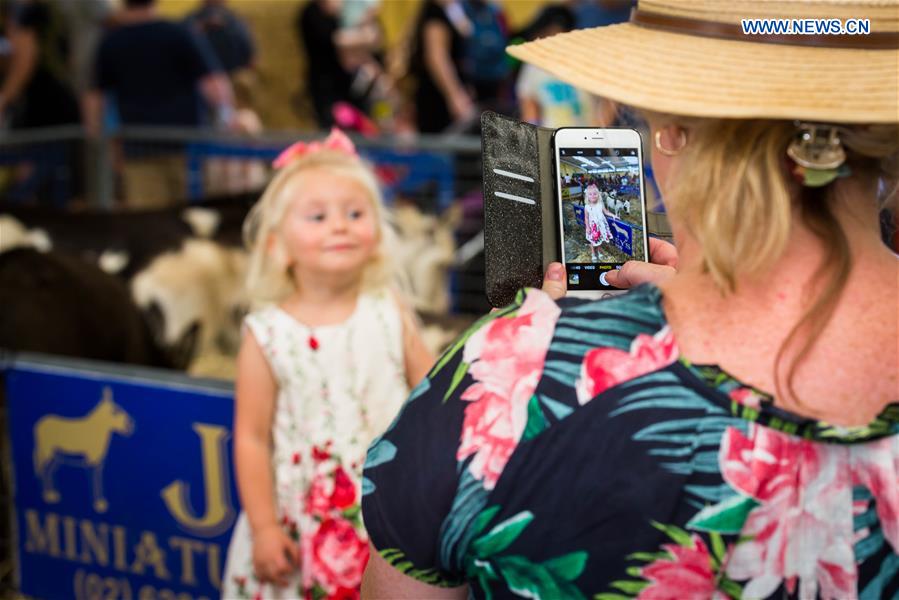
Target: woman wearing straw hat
[[731, 430]]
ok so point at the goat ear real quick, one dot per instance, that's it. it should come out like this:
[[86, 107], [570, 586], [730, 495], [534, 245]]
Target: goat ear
[[156, 323], [184, 350]]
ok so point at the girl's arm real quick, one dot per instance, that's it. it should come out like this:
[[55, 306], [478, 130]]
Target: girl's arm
[[255, 403], [417, 357], [256, 391]]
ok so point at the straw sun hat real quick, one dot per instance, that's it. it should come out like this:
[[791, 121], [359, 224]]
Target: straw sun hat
[[690, 57]]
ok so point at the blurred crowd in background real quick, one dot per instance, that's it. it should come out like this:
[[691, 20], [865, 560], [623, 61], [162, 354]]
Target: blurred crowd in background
[[448, 61], [248, 66]]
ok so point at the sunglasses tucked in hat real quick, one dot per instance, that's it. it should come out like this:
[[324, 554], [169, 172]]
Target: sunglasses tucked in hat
[[690, 57]]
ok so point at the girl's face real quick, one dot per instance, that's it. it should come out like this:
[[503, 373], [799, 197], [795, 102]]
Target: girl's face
[[592, 194], [329, 227]]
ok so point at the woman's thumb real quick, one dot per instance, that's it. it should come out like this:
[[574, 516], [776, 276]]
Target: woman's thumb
[[554, 281]]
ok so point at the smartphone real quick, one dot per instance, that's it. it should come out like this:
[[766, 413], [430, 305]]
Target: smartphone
[[601, 205]]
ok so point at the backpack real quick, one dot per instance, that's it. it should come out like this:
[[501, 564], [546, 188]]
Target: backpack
[[485, 48]]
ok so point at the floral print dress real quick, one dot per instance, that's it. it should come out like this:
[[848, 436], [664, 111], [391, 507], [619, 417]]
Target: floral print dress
[[568, 451], [596, 225], [334, 396]]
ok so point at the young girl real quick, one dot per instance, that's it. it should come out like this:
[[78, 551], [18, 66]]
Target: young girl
[[323, 368], [597, 228]]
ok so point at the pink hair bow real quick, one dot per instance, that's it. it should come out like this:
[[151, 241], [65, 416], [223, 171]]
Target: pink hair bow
[[336, 140]]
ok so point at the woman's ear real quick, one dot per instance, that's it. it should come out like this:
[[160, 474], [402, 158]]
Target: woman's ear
[[667, 142]]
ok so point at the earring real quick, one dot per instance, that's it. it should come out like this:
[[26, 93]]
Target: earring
[[668, 151]]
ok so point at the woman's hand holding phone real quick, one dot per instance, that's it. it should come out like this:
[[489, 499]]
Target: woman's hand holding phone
[[663, 257]]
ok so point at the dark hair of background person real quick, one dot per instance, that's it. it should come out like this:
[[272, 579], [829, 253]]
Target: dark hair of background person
[[560, 16]]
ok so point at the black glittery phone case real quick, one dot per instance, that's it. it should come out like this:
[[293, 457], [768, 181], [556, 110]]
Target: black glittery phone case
[[521, 235]]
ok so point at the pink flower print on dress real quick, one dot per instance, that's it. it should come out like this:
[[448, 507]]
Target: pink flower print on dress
[[506, 359], [604, 368], [688, 574], [334, 556], [319, 454], [344, 494], [318, 498], [802, 531], [594, 232]]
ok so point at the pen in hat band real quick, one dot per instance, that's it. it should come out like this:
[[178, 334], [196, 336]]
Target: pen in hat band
[[882, 40]]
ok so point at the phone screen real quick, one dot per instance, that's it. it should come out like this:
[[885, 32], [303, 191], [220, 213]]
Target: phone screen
[[602, 220]]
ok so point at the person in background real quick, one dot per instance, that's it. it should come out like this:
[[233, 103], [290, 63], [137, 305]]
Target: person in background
[[86, 21], [543, 99], [333, 57], [728, 431], [226, 33], [37, 91], [441, 95], [230, 40], [157, 73], [598, 13], [486, 66]]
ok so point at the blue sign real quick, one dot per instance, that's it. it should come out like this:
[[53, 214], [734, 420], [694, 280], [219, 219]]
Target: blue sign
[[123, 482], [622, 235], [579, 213]]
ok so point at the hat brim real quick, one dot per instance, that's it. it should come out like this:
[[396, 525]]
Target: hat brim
[[707, 77]]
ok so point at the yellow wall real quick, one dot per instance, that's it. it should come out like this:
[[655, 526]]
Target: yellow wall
[[278, 91]]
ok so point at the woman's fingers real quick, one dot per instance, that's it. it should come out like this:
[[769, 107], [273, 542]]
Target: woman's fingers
[[554, 282], [664, 264], [635, 272], [662, 252]]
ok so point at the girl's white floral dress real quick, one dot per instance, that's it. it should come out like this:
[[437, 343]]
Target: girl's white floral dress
[[339, 386]]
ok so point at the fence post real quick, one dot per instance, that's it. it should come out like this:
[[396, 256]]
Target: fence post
[[100, 175]]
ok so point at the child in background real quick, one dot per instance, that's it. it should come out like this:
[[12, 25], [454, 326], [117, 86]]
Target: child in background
[[595, 223], [323, 368]]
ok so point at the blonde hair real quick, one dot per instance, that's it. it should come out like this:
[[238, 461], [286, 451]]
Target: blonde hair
[[268, 275], [737, 198]]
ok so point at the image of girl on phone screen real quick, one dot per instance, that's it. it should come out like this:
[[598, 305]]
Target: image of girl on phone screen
[[595, 223]]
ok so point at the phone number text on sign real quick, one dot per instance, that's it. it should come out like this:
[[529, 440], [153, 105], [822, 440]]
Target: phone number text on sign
[[92, 586]]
